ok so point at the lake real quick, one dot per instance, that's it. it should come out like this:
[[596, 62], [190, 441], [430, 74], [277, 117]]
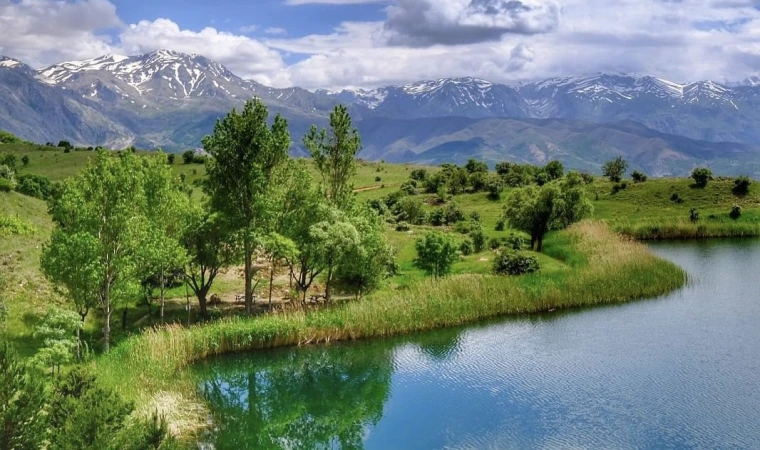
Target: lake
[[677, 372]]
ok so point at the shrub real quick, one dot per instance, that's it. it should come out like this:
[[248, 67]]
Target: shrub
[[6, 185], [741, 185], [463, 227], [500, 224], [419, 174], [736, 212], [478, 240], [619, 187], [514, 242], [475, 216], [188, 156], [403, 226], [701, 176], [466, 247], [495, 188], [170, 158], [615, 169], [378, 179], [494, 243], [676, 198], [639, 177], [693, 215], [514, 263], [453, 214], [437, 217], [436, 252], [588, 178], [8, 160], [409, 187], [8, 138], [25, 160], [34, 185]]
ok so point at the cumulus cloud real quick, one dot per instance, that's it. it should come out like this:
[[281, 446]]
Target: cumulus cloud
[[244, 56], [427, 22], [40, 31]]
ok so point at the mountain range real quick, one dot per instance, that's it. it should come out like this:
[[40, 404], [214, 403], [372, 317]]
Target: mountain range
[[170, 100]]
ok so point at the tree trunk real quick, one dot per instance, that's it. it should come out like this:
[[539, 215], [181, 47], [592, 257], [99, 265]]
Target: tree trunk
[[107, 325], [540, 244], [124, 319], [329, 283], [271, 281], [202, 302], [248, 276], [163, 288]]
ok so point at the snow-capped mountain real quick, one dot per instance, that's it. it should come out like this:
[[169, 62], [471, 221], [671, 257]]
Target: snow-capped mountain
[[170, 99]]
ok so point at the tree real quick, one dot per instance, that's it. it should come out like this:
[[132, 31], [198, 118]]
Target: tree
[[615, 169], [188, 156], [538, 210], [97, 215], [334, 239], [334, 155], [701, 176], [246, 154], [170, 158], [741, 185], [277, 247], [638, 177], [554, 170], [436, 253], [211, 245], [59, 332], [25, 160], [23, 423], [473, 166]]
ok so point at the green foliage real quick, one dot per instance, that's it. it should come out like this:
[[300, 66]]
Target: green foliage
[[36, 186], [246, 156], [676, 197], [495, 187], [8, 138], [7, 173], [693, 215], [701, 176], [419, 175], [736, 212], [514, 263], [403, 227], [463, 227], [13, 225], [452, 214], [410, 210], [617, 187], [334, 156], [8, 160], [556, 205], [59, 333], [466, 247], [22, 403], [615, 169], [554, 170], [436, 253], [741, 185], [503, 168], [5, 184], [25, 160], [84, 415], [588, 178], [514, 242], [501, 223], [638, 177], [478, 240], [494, 243], [474, 166], [170, 158], [188, 156]]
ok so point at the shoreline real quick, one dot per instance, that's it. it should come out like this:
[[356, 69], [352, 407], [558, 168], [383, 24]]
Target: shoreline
[[603, 267]]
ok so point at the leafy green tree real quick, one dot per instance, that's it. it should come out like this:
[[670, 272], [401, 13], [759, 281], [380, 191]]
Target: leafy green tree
[[334, 239], [59, 332], [436, 253], [615, 169], [638, 177], [23, 420], [503, 168], [170, 158], [701, 176], [478, 240], [211, 245], [246, 155], [554, 170], [97, 215], [370, 262], [538, 210], [473, 166], [277, 247], [419, 175], [188, 156], [334, 154], [741, 185], [25, 160]]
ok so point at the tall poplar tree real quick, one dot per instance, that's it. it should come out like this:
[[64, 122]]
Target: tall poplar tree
[[246, 153]]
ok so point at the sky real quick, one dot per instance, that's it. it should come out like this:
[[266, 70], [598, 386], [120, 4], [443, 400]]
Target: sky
[[336, 44]]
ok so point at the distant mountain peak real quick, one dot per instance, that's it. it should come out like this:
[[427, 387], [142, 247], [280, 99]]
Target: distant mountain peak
[[7, 63]]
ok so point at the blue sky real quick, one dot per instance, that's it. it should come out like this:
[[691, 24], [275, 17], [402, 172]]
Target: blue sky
[[334, 44]]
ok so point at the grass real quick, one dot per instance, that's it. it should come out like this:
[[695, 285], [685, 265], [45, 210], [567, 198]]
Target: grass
[[600, 268]]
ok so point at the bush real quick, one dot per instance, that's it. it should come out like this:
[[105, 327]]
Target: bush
[[478, 240], [437, 218], [409, 187], [693, 215], [619, 187], [466, 247], [615, 169], [8, 138], [436, 253], [500, 224], [494, 243], [403, 226], [419, 174], [495, 188], [588, 178], [701, 176], [676, 198], [475, 216], [188, 156], [378, 179], [34, 185], [514, 263], [6, 185], [463, 227], [514, 242], [639, 177], [8, 160], [170, 158], [736, 212], [452, 214], [741, 185], [25, 160]]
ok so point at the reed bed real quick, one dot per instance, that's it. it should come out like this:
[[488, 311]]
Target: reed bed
[[604, 268], [684, 229]]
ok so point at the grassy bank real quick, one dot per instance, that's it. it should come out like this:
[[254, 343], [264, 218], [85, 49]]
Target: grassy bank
[[600, 267]]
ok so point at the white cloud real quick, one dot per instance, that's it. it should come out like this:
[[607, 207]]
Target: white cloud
[[276, 31]]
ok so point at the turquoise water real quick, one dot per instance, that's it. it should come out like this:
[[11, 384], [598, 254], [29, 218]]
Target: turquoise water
[[678, 372]]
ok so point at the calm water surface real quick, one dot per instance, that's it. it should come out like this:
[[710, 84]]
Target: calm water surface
[[679, 372]]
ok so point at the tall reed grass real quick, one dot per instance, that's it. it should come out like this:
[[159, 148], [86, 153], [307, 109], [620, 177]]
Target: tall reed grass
[[604, 268], [684, 229]]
